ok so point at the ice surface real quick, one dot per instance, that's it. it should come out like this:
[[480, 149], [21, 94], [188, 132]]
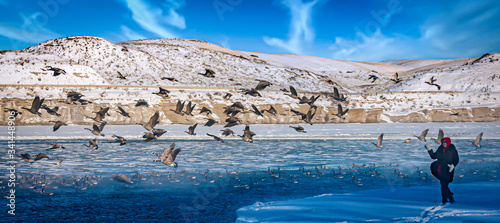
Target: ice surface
[[214, 180]]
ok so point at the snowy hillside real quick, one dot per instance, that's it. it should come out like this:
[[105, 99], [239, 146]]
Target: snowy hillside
[[122, 73]]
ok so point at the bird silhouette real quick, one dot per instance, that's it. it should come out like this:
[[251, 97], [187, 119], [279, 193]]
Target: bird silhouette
[[422, 135], [478, 140], [298, 129], [440, 137], [210, 122], [162, 92], [123, 112], [189, 109], [216, 137], [57, 125], [191, 129], [262, 85], [341, 112], [92, 144], [35, 106], [379, 141], [168, 156], [293, 93], [120, 139], [178, 108], [96, 130], [337, 95], [227, 132], [51, 111], [208, 73], [152, 122]]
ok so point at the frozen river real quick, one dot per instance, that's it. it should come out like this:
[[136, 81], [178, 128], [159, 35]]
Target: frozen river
[[214, 180]]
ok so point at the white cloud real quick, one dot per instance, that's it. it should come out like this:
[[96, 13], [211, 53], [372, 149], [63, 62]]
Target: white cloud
[[152, 18], [301, 31], [469, 29], [29, 32], [130, 34]]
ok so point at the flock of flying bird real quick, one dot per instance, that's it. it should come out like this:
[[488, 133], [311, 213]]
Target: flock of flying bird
[[169, 154]]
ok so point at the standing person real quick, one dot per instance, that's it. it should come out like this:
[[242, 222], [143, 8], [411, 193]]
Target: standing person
[[444, 168]]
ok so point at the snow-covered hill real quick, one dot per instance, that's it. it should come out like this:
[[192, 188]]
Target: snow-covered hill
[[122, 73]]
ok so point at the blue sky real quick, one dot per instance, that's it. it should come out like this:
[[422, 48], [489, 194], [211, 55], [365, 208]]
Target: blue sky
[[340, 29]]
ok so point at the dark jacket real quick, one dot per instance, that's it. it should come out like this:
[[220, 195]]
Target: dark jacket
[[449, 156]]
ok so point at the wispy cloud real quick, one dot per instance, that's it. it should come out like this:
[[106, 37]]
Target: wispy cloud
[[29, 32], [154, 19], [468, 29], [129, 34], [301, 31]]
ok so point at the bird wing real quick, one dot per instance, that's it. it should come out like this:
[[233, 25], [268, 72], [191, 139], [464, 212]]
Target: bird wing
[[57, 125], [40, 156], [478, 138], [93, 142], [293, 91], [297, 112], [101, 127], [154, 119], [95, 127], [167, 151], [121, 110], [379, 140], [440, 135], [172, 155], [256, 110], [336, 92], [424, 133]]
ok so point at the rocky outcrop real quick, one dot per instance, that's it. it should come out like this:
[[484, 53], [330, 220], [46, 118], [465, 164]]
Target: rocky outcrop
[[78, 114]]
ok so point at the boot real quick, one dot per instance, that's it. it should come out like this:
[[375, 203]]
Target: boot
[[444, 200], [450, 197]]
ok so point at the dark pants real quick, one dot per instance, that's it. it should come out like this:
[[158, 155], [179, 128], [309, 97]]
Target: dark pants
[[445, 190]]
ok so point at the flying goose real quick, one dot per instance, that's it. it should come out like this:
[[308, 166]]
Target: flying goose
[[205, 109], [59, 163], [408, 141], [210, 122], [72, 97], [216, 138], [208, 73], [123, 112], [440, 137], [373, 77], [293, 93], [57, 125], [168, 156], [57, 71], [337, 95], [379, 141], [298, 129], [191, 129], [422, 135], [92, 144], [149, 136], [341, 112], [256, 111], [396, 78], [163, 92], [271, 110], [120, 75], [51, 111], [96, 130], [227, 132], [142, 102], [262, 85], [312, 100], [56, 146], [159, 132], [189, 109], [178, 108], [152, 122], [12, 112], [252, 92], [310, 114], [247, 134], [227, 96], [478, 140], [120, 139], [304, 100], [170, 79], [26, 157], [35, 106]]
